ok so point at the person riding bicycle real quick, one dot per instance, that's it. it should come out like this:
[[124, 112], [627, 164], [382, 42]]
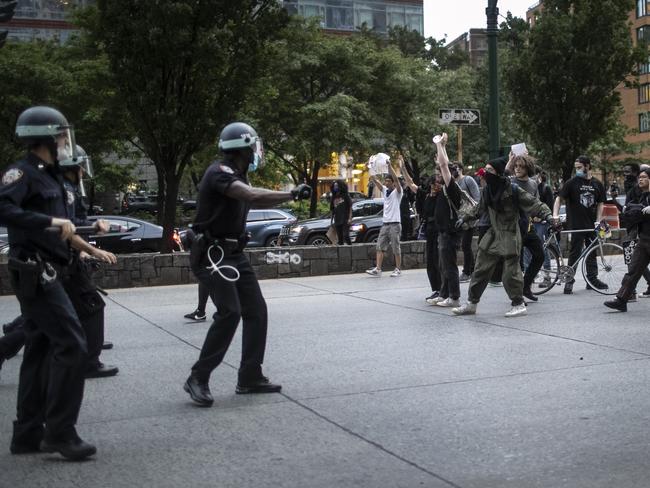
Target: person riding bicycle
[[584, 196]]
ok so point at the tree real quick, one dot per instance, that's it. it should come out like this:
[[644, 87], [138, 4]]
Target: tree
[[183, 70], [563, 80], [310, 101]]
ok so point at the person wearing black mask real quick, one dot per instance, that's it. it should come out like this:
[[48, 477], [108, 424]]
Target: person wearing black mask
[[341, 209], [630, 177], [502, 241]]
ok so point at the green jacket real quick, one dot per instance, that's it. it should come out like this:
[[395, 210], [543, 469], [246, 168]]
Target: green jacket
[[503, 238]]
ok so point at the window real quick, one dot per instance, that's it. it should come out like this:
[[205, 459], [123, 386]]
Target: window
[[122, 226], [340, 15], [256, 216], [271, 215], [642, 8], [644, 68], [644, 93], [644, 122], [643, 33]]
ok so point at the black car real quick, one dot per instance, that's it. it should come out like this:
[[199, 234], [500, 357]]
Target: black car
[[128, 235], [4, 241], [367, 217]]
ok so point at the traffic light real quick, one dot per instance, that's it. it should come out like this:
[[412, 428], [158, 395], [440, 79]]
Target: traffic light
[[7, 9]]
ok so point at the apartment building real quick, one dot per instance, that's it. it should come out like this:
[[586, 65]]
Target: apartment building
[[474, 43], [346, 16]]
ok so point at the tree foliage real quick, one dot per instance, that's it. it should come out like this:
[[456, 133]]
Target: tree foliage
[[564, 76]]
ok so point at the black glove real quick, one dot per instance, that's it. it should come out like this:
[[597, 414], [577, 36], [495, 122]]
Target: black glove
[[459, 223], [301, 192]]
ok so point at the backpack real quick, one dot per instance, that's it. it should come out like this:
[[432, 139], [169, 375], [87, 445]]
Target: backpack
[[467, 206]]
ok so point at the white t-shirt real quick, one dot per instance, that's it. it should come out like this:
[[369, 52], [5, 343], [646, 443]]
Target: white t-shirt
[[391, 206]]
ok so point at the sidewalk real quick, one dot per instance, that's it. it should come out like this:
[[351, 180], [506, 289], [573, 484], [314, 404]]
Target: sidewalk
[[379, 390]]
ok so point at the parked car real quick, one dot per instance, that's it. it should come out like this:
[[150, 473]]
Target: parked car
[[128, 235], [264, 226], [367, 217]]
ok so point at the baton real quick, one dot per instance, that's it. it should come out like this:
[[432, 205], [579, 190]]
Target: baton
[[81, 230]]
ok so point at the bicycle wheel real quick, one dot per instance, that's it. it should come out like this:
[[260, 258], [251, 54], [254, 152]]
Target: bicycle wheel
[[611, 266], [547, 278]]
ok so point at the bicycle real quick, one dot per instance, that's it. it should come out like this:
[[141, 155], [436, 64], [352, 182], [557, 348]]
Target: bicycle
[[609, 259]]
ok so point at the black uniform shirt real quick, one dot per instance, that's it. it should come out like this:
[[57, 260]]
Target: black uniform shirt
[[77, 208], [582, 198], [31, 193], [218, 214]]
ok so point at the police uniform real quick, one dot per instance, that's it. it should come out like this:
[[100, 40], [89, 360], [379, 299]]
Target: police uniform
[[79, 286], [51, 381], [219, 264]]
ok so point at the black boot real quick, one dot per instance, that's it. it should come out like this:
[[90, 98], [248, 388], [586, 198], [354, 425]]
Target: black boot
[[529, 294], [617, 304], [74, 449], [199, 391], [261, 384]]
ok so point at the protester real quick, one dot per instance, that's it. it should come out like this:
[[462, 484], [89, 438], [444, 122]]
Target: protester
[[541, 228], [469, 186], [502, 241], [341, 210], [199, 314], [633, 198], [446, 216], [640, 219], [391, 227], [630, 176], [584, 196], [522, 168], [431, 232]]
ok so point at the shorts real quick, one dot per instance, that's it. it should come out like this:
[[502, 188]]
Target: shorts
[[389, 237]]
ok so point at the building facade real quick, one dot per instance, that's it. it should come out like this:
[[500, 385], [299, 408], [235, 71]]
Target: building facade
[[474, 43], [346, 16], [42, 19]]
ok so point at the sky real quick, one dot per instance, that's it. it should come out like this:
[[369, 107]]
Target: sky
[[454, 17]]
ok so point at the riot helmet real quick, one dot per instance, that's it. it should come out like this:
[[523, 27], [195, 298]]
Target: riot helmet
[[237, 136], [82, 161], [47, 126]]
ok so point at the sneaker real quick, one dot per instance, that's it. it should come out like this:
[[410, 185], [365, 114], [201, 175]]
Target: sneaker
[[466, 309], [517, 310], [616, 304], [449, 302], [645, 294], [433, 296], [597, 284], [495, 283], [396, 273], [464, 278], [197, 316], [374, 272], [435, 300]]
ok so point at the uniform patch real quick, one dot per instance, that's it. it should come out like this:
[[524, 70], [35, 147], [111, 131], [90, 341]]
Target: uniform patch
[[226, 169], [70, 197], [11, 176]]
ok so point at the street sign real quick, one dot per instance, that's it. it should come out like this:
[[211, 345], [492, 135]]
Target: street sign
[[459, 116]]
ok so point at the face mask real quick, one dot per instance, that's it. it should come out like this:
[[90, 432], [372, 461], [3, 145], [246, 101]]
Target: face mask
[[580, 173], [630, 178], [255, 163]]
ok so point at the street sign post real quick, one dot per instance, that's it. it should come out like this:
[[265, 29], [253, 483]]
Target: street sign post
[[460, 117]]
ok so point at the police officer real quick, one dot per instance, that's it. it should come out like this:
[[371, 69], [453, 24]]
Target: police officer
[[51, 384], [85, 298], [225, 196]]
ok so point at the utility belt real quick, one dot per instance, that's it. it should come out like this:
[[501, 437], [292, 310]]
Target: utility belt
[[203, 241], [28, 274]]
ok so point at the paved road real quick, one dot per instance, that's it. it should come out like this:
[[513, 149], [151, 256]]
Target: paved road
[[380, 390]]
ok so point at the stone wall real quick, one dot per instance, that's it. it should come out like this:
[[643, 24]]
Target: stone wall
[[133, 270]]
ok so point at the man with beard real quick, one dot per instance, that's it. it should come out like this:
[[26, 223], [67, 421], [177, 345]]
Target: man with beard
[[502, 242]]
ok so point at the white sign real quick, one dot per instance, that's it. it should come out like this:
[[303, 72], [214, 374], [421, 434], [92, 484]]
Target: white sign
[[378, 164], [459, 116]]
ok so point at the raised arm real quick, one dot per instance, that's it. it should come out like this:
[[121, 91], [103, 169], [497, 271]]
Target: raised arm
[[510, 166], [392, 172], [406, 175], [377, 183], [443, 160]]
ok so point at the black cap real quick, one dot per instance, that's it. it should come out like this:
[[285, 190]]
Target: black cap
[[582, 159], [499, 165]]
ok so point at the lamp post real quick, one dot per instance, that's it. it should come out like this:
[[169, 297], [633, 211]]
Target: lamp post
[[492, 13]]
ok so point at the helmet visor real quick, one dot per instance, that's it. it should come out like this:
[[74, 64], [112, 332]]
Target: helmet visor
[[66, 146], [259, 152]]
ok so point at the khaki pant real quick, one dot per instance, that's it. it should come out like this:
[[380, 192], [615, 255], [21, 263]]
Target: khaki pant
[[513, 281]]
